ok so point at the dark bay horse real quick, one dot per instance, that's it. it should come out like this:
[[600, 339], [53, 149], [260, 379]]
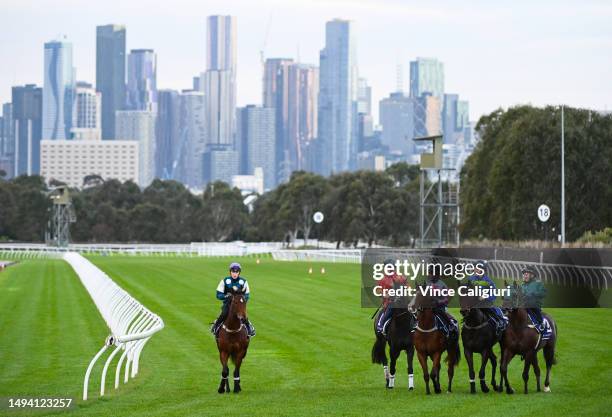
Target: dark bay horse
[[399, 337], [478, 336], [430, 342], [233, 342], [521, 338]]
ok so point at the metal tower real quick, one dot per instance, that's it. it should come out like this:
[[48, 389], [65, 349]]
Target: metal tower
[[62, 214], [439, 198]]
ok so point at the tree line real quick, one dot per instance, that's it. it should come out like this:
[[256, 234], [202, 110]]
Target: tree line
[[359, 206], [514, 168]]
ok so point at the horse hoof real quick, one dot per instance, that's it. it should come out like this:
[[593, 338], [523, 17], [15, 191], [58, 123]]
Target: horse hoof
[[221, 390], [546, 389], [484, 389], [410, 388], [509, 391], [388, 387]]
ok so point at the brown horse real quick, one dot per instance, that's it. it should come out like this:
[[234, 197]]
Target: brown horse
[[430, 342], [521, 338], [233, 341]]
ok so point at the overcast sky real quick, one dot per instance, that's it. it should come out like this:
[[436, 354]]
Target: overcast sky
[[494, 54]]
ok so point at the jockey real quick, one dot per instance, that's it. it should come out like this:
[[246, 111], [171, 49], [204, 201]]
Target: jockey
[[233, 283], [434, 281], [533, 294], [388, 282], [495, 313]]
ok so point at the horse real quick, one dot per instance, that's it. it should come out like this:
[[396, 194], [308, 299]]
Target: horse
[[233, 341], [430, 342], [399, 337], [521, 338], [478, 336]]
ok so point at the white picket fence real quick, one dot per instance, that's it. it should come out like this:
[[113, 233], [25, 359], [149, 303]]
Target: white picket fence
[[131, 324]]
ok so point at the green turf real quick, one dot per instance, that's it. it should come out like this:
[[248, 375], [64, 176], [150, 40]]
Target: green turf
[[311, 355]]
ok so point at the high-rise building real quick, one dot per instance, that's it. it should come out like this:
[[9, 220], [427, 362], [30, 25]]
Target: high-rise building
[[87, 111], [167, 132], [397, 117], [449, 118], [220, 163], [337, 100], [426, 77], [139, 125], [27, 127], [142, 80], [110, 74], [428, 115], [364, 97], [256, 142], [70, 161], [219, 80], [292, 90], [58, 90], [7, 141], [189, 148]]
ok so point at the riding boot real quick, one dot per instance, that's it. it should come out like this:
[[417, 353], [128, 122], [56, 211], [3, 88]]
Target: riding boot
[[250, 328], [214, 329]]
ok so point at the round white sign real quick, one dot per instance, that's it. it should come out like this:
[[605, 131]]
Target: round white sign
[[318, 217], [543, 213]]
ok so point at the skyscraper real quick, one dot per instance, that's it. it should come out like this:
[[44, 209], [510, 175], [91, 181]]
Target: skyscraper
[[191, 144], [397, 117], [426, 76], [7, 141], [58, 90], [449, 118], [337, 99], [428, 115], [142, 80], [27, 124], [110, 74], [219, 80], [87, 111], [139, 125], [167, 132], [256, 142], [292, 90]]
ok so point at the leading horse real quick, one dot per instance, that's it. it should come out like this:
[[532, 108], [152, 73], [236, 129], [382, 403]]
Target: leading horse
[[233, 341]]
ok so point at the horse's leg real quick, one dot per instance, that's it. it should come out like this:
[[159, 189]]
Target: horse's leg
[[223, 355], [435, 371], [528, 360], [536, 370], [238, 362], [549, 357], [393, 355], [451, 373], [483, 369], [493, 359], [507, 356], [469, 357], [410, 358], [423, 362]]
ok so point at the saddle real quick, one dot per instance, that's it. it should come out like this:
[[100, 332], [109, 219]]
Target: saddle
[[440, 320]]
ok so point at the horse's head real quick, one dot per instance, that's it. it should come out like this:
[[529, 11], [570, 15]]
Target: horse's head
[[515, 299], [238, 304], [422, 301]]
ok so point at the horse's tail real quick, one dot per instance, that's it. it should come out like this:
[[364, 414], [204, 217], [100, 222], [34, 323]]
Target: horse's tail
[[379, 354], [453, 355]]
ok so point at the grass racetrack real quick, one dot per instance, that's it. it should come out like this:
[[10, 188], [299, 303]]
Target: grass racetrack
[[311, 355]]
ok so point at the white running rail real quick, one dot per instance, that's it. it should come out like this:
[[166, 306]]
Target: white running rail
[[344, 256], [130, 323]]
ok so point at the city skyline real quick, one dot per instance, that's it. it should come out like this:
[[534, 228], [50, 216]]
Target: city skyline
[[493, 56]]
